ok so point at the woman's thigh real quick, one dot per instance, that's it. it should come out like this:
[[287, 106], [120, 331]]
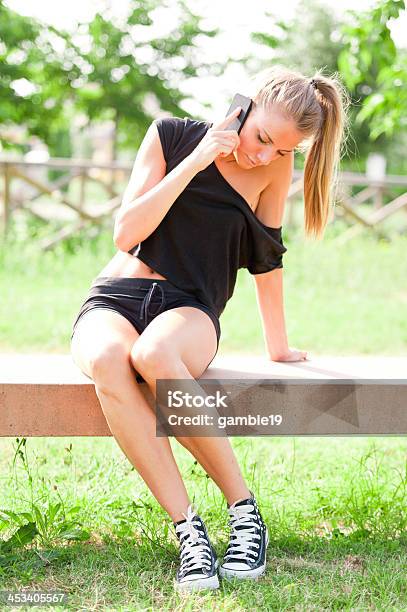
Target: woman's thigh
[[101, 337], [183, 333]]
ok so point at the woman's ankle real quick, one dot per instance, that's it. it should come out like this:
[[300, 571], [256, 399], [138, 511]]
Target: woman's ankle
[[237, 495], [179, 513]]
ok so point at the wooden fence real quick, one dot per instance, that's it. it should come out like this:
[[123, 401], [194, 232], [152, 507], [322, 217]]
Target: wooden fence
[[111, 178]]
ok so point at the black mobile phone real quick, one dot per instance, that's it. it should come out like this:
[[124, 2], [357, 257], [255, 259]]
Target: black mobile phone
[[246, 104]]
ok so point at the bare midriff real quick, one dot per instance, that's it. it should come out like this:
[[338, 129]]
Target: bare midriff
[[126, 265]]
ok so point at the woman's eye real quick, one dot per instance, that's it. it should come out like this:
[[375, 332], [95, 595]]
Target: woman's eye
[[264, 142]]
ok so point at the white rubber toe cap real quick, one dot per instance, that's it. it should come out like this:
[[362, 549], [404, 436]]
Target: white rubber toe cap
[[233, 565]]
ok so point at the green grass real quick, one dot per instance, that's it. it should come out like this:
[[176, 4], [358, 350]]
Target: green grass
[[335, 511], [338, 300]]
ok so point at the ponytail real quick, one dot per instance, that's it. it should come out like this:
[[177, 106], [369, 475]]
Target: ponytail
[[318, 107], [323, 156]]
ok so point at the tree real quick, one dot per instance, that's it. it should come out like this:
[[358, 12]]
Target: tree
[[97, 70], [310, 39], [315, 39], [30, 90], [372, 63], [116, 81]]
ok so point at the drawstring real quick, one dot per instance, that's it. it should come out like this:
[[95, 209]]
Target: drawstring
[[146, 302]]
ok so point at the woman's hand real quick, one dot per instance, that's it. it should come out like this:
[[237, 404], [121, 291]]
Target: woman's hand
[[217, 141], [292, 354]]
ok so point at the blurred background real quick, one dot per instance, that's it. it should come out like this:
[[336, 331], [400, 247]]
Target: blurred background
[[81, 82]]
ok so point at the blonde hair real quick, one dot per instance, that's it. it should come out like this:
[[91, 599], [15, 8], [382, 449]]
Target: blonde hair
[[318, 106]]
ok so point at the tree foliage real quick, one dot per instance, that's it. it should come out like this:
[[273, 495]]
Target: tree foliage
[[104, 69], [30, 86], [316, 39], [307, 41], [371, 62]]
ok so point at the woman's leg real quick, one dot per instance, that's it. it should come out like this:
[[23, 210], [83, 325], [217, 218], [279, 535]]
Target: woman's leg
[[101, 348], [179, 343]]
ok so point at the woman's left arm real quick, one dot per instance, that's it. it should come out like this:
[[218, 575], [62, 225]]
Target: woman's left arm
[[269, 294], [269, 286]]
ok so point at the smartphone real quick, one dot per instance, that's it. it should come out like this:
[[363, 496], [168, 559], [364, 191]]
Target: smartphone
[[246, 104]]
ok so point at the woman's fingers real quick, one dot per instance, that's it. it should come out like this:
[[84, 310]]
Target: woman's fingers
[[227, 120]]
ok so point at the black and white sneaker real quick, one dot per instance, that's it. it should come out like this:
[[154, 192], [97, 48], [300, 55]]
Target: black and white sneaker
[[245, 556], [198, 568]]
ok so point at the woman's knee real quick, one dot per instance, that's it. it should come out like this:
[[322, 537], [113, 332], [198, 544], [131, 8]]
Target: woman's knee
[[105, 363], [109, 362], [154, 360], [101, 345]]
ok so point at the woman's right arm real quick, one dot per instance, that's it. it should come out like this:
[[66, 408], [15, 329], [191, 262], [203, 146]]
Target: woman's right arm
[[151, 193]]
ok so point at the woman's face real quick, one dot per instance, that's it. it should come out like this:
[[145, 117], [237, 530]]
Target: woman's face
[[278, 134]]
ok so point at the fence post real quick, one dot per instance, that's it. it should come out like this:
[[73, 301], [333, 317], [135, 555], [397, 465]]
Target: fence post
[[376, 173], [82, 186], [6, 202]]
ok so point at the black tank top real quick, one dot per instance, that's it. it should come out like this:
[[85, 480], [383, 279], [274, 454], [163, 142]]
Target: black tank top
[[210, 231]]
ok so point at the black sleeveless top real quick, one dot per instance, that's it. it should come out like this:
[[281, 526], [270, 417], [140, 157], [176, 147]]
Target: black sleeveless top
[[210, 231]]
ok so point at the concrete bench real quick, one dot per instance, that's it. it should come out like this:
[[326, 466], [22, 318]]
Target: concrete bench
[[47, 395]]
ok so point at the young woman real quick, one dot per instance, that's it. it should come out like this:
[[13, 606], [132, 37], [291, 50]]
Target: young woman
[[202, 202]]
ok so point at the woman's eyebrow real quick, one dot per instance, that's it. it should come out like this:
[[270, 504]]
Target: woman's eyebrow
[[271, 140]]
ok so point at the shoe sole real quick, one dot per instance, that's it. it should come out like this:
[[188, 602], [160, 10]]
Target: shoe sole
[[246, 574], [212, 582]]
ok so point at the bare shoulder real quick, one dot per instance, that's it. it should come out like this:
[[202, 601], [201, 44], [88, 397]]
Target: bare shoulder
[[279, 170], [270, 208]]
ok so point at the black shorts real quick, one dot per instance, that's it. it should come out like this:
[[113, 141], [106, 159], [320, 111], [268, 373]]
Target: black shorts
[[140, 300]]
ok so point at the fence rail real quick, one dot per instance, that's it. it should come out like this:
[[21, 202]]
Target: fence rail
[[109, 176]]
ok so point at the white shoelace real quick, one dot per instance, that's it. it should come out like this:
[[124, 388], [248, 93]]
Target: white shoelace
[[195, 551], [244, 537]]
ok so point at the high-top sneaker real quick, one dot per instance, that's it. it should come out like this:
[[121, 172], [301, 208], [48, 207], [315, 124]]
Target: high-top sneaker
[[246, 553], [198, 568]]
